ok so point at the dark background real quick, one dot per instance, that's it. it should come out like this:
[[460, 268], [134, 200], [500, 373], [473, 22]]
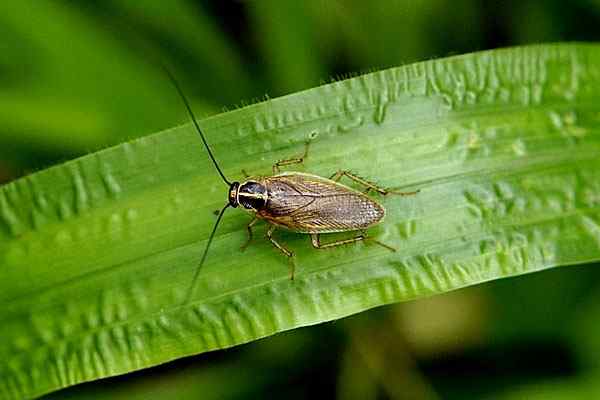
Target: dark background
[[79, 76]]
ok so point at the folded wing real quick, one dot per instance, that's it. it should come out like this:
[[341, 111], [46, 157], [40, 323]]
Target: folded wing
[[311, 204]]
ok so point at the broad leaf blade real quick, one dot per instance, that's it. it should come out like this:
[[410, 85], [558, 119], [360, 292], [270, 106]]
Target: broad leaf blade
[[97, 254]]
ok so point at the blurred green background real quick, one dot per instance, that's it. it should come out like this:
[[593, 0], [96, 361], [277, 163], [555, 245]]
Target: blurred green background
[[79, 76]]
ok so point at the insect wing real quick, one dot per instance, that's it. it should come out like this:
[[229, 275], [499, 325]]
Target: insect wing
[[311, 204]]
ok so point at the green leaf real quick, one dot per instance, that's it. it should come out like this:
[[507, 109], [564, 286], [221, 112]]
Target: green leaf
[[97, 254]]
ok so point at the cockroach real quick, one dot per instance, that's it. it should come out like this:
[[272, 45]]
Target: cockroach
[[299, 202]]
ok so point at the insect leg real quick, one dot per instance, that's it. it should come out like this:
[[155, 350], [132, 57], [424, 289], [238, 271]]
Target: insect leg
[[290, 161], [387, 246], [249, 227], [316, 242], [282, 248], [246, 175], [368, 185]]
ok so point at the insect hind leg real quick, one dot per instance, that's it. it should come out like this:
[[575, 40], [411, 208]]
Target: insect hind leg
[[283, 249], [290, 161], [316, 241], [368, 185]]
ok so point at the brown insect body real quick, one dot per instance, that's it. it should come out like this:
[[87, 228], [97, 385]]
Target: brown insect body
[[299, 202], [307, 203]]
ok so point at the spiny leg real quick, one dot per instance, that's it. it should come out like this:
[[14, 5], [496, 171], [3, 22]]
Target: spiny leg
[[368, 185], [290, 161], [316, 242], [282, 248], [249, 227], [387, 246]]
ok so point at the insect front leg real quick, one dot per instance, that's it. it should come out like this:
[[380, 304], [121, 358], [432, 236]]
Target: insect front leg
[[249, 227], [290, 161], [282, 248], [368, 185]]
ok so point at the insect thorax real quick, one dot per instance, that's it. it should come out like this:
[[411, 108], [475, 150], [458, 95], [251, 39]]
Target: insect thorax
[[252, 195]]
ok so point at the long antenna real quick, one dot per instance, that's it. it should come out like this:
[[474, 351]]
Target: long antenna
[[191, 114], [212, 157], [210, 239]]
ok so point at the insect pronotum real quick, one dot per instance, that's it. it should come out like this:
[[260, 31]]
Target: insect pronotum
[[299, 202]]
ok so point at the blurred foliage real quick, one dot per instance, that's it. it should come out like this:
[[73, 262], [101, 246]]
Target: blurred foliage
[[79, 76]]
